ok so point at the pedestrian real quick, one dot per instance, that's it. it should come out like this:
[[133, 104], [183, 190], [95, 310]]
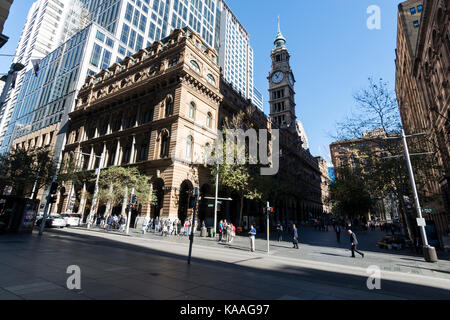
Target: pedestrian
[[220, 230], [109, 223], [164, 232], [252, 235], [169, 227], [174, 227], [354, 243], [228, 233], [156, 224], [337, 228], [122, 223], [295, 236], [279, 232], [233, 232], [145, 224], [179, 227]]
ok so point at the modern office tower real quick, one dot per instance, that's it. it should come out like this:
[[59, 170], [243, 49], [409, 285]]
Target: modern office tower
[[136, 24], [236, 54], [49, 23], [4, 13], [258, 99], [45, 100]]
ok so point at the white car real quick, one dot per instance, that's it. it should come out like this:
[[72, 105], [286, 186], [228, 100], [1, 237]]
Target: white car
[[53, 221], [72, 219]]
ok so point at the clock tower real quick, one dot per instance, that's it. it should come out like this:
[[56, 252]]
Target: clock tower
[[281, 86]]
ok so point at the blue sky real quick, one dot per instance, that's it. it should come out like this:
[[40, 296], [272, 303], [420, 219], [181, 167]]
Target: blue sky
[[333, 52]]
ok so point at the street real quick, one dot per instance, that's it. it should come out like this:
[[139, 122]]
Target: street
[[115, 266]]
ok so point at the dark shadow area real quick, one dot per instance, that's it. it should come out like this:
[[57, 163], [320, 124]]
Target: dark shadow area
[[241, 277], [334, 255]]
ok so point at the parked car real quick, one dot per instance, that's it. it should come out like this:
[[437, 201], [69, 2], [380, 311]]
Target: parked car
[[394, 242], [54, 221], [72, 219]]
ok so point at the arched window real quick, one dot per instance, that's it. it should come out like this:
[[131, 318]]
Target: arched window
[[189, 147], [192, 110], [209, 120], [164, 144], [207, 153], [195, 66], [169, 106], [211, 79]]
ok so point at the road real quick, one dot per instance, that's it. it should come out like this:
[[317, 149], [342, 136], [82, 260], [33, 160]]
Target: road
[[118, 267]]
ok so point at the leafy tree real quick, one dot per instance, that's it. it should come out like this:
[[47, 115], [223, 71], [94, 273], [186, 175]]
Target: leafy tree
[[24, 170], [349, 195], [238, 178], [382, 171], [117, 182]]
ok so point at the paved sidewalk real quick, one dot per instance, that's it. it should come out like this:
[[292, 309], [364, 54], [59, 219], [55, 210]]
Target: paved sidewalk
[[122, 267], [322, 246]]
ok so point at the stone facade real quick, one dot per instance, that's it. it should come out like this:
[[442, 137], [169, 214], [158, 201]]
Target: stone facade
[[423, 93], [158, 110]]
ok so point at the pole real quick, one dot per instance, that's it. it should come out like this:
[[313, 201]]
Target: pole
[[429, 252], [129, 213], [215, 198], [47, 208], [268, 229], [191, 237], [94, 200]]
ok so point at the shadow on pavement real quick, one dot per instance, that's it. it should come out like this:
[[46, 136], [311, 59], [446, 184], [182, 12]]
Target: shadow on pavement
[[242, 281]]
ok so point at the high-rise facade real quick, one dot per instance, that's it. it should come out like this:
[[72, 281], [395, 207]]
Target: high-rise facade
[[236, 54], [49, 24], [136, 24]]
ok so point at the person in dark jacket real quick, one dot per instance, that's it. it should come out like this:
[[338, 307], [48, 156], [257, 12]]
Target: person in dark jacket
[[279, 232], [354, 243], [295, 236]]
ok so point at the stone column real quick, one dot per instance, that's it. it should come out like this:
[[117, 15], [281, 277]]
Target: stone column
[[91, 159], [82, 200], [108, 130], [133, 148], [116, 160], [104, 163], [138, 116]]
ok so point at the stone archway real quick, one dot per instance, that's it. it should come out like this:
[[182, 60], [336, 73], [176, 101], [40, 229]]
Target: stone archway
[[186, 190]]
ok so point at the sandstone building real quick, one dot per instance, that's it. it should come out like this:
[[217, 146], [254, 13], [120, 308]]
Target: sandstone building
[[159, 110], [423, 93]]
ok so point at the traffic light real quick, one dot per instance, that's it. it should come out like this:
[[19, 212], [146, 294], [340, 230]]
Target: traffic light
[[54, 188], [191, 202], [133, 199]]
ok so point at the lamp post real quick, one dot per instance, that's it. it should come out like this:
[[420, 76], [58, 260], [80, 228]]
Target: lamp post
[[428, 251]]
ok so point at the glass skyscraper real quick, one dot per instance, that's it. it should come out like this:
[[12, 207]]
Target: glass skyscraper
[[117, 29]]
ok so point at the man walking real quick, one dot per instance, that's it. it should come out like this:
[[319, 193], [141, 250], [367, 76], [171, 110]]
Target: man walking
[[220, 230], [337, 228], [295, 236], [252, 235], [145, 224], [279, 232], [354, 243]]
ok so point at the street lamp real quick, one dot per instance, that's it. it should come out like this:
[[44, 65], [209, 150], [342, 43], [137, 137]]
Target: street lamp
[[428, 251], [94, 200]]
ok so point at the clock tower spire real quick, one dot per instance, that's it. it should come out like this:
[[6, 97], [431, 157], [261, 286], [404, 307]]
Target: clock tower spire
[[281, 85]]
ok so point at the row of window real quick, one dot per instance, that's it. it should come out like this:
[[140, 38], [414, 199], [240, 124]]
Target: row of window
[[414, 11]]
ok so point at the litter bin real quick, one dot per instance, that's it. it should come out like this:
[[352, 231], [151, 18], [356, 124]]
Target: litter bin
[[211, 232], [204, 232]]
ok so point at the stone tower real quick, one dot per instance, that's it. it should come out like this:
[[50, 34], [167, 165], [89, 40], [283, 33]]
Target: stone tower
[[281, 86]]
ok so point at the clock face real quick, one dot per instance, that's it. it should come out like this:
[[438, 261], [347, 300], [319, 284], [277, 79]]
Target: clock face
[[291, 79], [277, 77]]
